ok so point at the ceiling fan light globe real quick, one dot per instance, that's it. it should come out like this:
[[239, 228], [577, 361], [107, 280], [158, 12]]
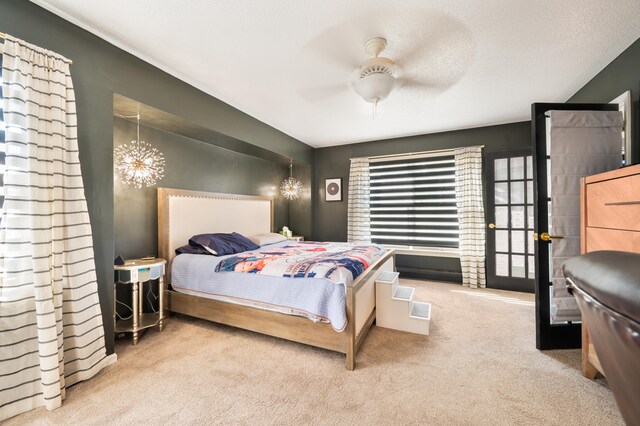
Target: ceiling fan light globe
[[375, 87]]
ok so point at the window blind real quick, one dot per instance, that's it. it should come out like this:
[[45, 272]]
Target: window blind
[[413, 202]]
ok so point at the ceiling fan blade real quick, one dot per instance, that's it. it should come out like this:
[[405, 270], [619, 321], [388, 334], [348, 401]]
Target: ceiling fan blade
[[433, 88], [410, 55], [443, 56], [329, 50], [417, 83], [321, 93]]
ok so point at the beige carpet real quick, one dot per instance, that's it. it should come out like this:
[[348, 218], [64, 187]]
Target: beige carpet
[[478, 366]]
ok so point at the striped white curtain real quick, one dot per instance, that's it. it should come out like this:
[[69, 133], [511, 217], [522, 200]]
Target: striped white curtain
[[471, 215], [358, 219], [51, 330]]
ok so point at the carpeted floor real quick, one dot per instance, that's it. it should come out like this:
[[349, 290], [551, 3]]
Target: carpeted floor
[[478, 366]]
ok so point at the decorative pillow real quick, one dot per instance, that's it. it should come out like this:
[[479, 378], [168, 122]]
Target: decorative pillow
[[268, 238], [223, 244], [188, 249]]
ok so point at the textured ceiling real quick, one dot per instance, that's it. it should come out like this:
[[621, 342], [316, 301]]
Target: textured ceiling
[[466, 63]]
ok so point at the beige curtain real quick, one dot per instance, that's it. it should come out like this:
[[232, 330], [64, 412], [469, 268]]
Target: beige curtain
[[358, 214], [471, 215]]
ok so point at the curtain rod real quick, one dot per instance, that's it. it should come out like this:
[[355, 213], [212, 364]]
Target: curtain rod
[[4, 37], [411, 154]]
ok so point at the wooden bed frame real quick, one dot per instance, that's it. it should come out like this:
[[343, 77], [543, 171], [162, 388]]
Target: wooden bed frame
[[183, 213]]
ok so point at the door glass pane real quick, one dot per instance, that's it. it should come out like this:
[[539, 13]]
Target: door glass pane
[[517, 242], [517, 168], [502, 265], [530, 192], [502, 216], [517, 266], [517, 217], [502, 241], [530, 243], [529, 167], [550, 261], [532, 266], [517, 192], [500, 166], [547, 128], [530, 217], [548, 177], [502, 193]]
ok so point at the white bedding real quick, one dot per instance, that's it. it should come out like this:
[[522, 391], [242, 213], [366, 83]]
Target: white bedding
[[314, 298]]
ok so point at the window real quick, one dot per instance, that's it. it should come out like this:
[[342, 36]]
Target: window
[[413, 201], [2, 150]]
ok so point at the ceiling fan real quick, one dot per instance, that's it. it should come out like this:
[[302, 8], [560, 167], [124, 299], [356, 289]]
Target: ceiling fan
[[373, 79]]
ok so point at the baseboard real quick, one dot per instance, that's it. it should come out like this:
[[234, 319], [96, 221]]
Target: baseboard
[[111, 359], [430, 274]]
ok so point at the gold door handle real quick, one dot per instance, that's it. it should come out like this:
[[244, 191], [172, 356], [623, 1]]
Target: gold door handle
[[546, 237], [491, 225]]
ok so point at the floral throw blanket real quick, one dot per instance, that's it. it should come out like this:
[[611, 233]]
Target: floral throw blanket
[[338, 262]]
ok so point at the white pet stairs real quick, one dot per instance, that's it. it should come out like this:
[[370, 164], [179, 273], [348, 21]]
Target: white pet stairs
[[396, 309]]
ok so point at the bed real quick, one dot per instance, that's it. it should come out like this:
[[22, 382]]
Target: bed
[[183, 213]]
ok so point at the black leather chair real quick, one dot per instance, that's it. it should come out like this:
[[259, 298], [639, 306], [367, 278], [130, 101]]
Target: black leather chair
[[607, 287]]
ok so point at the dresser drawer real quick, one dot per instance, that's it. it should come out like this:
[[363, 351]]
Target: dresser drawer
[[610, 203], [612, 239]]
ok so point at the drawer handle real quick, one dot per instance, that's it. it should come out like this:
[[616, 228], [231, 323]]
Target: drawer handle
[[622, 203]]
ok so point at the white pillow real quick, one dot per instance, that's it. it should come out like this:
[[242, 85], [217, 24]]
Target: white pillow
[[210, 250], [268, 238]]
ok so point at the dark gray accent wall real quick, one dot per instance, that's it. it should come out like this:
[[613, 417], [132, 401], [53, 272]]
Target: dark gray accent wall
[[622, 74], [190, 164], [333, 162], [300, 210], [99, 69], [331, 217]]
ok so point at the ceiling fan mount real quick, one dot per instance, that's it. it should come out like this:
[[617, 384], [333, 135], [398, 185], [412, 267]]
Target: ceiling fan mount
[[374, 46]]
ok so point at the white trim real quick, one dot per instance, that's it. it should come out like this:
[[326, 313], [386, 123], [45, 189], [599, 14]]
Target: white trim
[[424, 251], [411, 155], [625, 104], [111, 359]]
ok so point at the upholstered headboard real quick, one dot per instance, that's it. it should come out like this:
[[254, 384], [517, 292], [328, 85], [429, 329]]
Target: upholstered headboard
[[182, 214]]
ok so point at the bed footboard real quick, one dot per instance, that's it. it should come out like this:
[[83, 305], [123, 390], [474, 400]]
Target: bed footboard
[[361, 312], [361, 306]]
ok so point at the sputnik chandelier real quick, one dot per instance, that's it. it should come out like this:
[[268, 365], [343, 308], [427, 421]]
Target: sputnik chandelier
[[138, 163], [290, 187]]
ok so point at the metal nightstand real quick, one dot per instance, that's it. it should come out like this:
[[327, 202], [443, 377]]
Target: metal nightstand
[[136, 272]]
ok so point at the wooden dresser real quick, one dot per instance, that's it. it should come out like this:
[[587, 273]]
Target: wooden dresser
[[609, 220]]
